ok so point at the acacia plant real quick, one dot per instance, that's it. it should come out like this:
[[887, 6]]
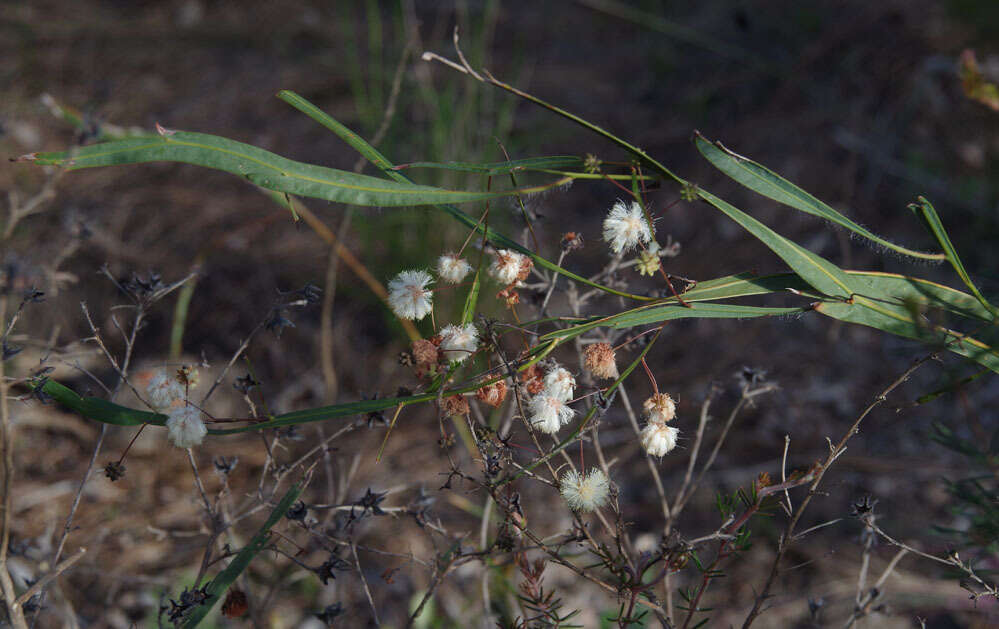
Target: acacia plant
[[502, 383]]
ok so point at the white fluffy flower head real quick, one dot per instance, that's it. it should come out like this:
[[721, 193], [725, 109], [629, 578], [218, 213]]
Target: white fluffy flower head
[[585, 493], [658, 439], [660, 408], [509, 266], [458, 342], [625, 227], [452, 269], [409, 296], [549, 413], [163, 391], [185, 427], [559, 383]]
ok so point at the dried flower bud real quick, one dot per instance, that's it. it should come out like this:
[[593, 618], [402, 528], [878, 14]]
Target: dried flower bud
[[235, 604], [572, 241], [585, 493], [509, 297], [532, 379], [455, 405], [185, 427], [599, 360], [163, 391], [114, 470], [658, 439], [409, 296], [660, 408], [492, 394], [425, 352], [763, 480], [452, 269]]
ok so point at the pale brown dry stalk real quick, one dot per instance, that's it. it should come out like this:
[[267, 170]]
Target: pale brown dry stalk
[[364, 582], [556, 557], [15, 610], [787, 537], [865, 600], [122, 371], [746, 396], [51, 576], [952, 560]]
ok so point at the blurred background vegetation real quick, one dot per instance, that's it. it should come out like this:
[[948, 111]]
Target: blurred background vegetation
[[859, 103]]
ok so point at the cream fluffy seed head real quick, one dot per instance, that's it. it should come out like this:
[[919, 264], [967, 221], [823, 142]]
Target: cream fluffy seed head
[[507, 266], [408, 295], [560, 383], [585, 493], [626, 227], [452, 269], [185, 427], [660, 408], [549, 413], [458, 342], [658, 439], [163, 391]]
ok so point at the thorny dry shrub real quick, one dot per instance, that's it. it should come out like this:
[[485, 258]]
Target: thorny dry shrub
[[517, 496]]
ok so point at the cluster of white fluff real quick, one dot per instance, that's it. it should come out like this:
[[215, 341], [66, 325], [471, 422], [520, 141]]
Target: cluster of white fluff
[[509, 266], [163, 391], [185, 428], [409, 295], [452, 269], [626, 227], [458, 342], [585, 492], [549, 408], [657, 438]]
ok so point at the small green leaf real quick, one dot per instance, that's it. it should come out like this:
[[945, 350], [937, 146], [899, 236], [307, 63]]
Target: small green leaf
[[472, 300]]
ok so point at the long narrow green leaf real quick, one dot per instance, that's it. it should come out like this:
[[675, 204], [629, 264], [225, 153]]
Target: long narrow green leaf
[[110, 413], [375, 157], [264, 168], [901, 289], [660, 313], [933, 222], [218, 586], [502, 168], [900, 323], [820, 273], [98, 409], [764, 181], [355, 141]]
